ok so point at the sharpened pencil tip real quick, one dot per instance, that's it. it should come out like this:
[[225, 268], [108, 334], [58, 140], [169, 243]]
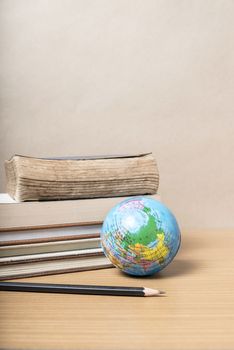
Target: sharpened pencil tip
[[162, 292], [153, 292]]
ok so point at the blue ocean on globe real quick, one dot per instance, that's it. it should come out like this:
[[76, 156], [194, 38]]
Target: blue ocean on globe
[[140, 236]]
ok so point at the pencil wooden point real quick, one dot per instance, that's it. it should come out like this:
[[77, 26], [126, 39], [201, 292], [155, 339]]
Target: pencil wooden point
[[152, 292]]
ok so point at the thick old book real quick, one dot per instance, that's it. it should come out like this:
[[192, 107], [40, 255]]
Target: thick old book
[[32, 179]]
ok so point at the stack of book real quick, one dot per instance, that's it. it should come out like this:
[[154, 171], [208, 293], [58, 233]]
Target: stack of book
[[51, 220]]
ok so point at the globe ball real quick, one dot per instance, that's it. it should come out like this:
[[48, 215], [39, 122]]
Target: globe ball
[[140, 235]]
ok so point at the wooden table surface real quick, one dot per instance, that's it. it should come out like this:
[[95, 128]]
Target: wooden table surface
[[196, 313]]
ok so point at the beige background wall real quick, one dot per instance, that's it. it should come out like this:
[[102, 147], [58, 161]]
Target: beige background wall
[[117, 76]]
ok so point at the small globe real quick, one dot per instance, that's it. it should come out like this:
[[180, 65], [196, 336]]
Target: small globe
[[140, 236]]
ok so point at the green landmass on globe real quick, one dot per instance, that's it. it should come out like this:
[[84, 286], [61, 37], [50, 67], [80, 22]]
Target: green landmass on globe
[[145, 235]]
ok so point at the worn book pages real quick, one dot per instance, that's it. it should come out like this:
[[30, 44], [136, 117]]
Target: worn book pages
[[32, 179]]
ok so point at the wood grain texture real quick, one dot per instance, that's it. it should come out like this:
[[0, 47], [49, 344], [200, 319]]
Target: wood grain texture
[[196, 313]]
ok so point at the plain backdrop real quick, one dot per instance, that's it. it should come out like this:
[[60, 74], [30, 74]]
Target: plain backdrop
[[119, 76]]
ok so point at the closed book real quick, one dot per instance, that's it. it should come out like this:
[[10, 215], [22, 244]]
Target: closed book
[[78, 254], [52, 214], [49, 247], [53, 267], [32, 179], [49, 235]]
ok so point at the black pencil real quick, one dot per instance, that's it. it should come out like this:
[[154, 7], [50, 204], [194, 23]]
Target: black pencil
[[79, 289]]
